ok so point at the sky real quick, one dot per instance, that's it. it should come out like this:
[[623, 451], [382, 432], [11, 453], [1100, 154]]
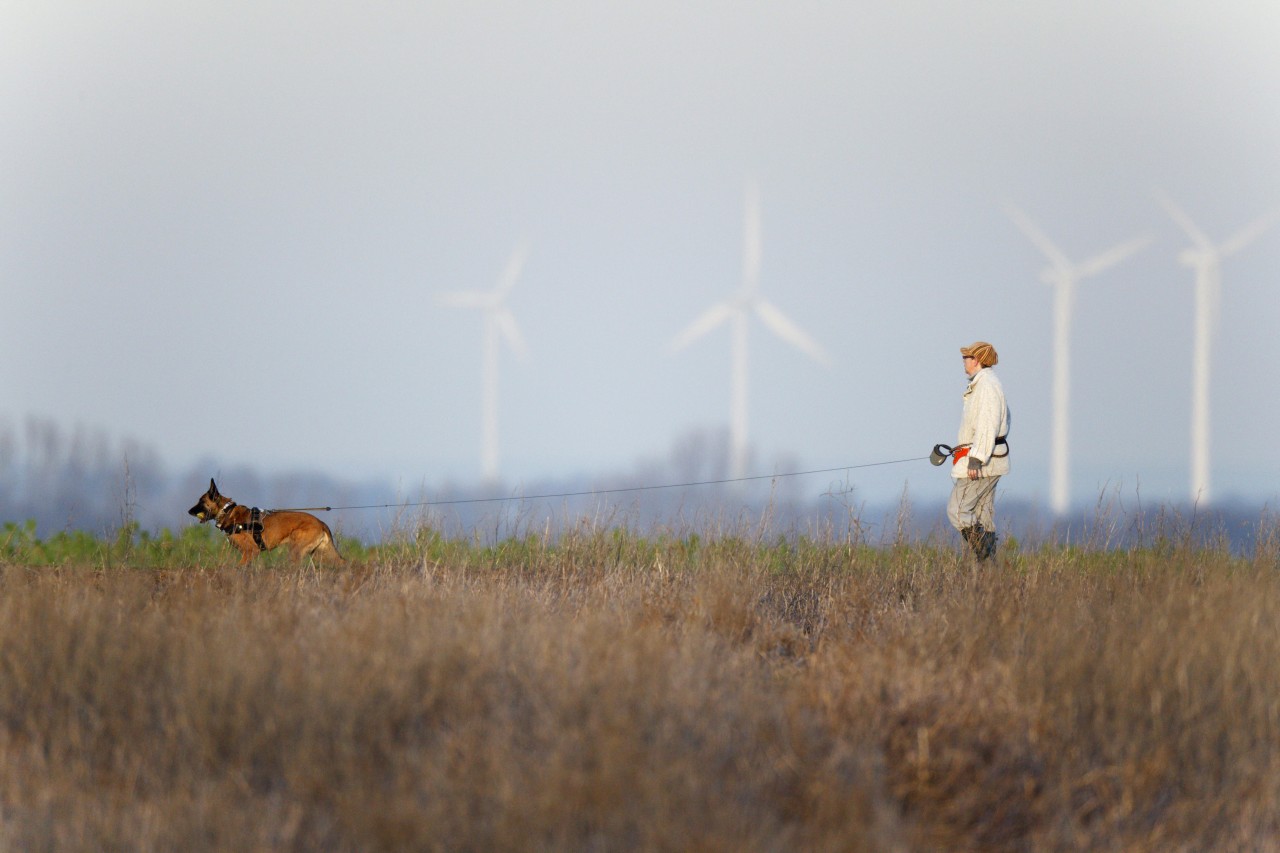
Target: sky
[[225, 229]]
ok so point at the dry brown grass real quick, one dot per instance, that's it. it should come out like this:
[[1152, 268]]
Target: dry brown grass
[[609, 692]]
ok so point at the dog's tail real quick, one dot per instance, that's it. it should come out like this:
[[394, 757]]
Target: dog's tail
[[330, 544]]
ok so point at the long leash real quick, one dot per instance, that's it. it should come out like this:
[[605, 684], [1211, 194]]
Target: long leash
[[596, 492]]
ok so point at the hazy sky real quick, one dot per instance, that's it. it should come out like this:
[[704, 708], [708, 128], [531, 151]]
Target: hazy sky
[[224, 227]]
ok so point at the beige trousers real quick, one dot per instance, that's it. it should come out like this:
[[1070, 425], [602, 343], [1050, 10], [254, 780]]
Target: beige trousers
[[973, 502]]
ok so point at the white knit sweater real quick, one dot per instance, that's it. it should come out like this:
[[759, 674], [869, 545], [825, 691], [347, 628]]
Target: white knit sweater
[[986, 416]]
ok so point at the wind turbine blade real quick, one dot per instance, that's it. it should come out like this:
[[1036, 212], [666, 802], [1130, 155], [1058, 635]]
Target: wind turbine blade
[[512, 271], [751, 239], [789, 331], [506, 323], [1113, 256], [1037, 237], [1184, 222], [1249, 233], [713, 317], [465, 299]]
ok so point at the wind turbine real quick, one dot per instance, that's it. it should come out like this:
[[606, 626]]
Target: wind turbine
[[499, 324], [1063, 276], [1206, 259], [738, 310]]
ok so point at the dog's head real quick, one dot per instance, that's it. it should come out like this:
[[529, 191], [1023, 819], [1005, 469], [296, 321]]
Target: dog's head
[[209, 505]]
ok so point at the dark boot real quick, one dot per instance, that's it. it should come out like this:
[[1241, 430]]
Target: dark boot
[[986, 548], [981, 541]]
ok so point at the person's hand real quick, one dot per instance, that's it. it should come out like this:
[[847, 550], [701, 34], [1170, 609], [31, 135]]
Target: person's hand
[[975, 468]]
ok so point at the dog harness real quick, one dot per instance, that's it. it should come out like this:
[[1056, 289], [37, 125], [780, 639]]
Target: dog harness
[[254, 527]]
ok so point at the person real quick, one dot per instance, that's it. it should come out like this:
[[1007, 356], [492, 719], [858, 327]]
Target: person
[[981, 455]]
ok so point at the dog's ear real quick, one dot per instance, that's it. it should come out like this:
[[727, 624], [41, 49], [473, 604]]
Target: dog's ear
[[213, 487]]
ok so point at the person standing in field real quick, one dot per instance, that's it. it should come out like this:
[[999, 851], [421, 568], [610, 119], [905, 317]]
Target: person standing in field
[[981, 456]]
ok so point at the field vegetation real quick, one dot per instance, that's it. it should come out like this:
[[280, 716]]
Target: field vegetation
[[603, 689]]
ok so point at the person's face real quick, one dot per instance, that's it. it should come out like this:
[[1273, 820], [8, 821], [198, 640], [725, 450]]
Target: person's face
[[971, 366]]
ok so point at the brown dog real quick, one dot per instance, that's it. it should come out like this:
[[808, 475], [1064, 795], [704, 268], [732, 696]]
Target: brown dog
[[253, 530]]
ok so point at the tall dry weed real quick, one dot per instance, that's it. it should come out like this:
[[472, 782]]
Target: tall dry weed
[[604, 690]]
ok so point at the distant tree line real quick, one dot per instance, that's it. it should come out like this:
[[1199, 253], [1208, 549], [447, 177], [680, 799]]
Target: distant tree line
[[83, 479], [76, 479]]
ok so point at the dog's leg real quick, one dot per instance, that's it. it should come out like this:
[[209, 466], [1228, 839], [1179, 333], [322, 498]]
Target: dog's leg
[[248, 548]]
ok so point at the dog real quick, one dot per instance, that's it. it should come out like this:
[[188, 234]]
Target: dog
[[253, 530]]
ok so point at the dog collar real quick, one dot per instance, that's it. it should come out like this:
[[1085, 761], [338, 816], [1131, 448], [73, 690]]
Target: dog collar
[[217, 519]]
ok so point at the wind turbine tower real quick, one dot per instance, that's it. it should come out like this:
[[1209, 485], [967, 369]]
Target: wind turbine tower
[[1063, 276], [737, 310], [1206, 259], [498, 324]]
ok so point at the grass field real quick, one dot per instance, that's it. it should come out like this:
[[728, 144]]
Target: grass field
[[605, 690]]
